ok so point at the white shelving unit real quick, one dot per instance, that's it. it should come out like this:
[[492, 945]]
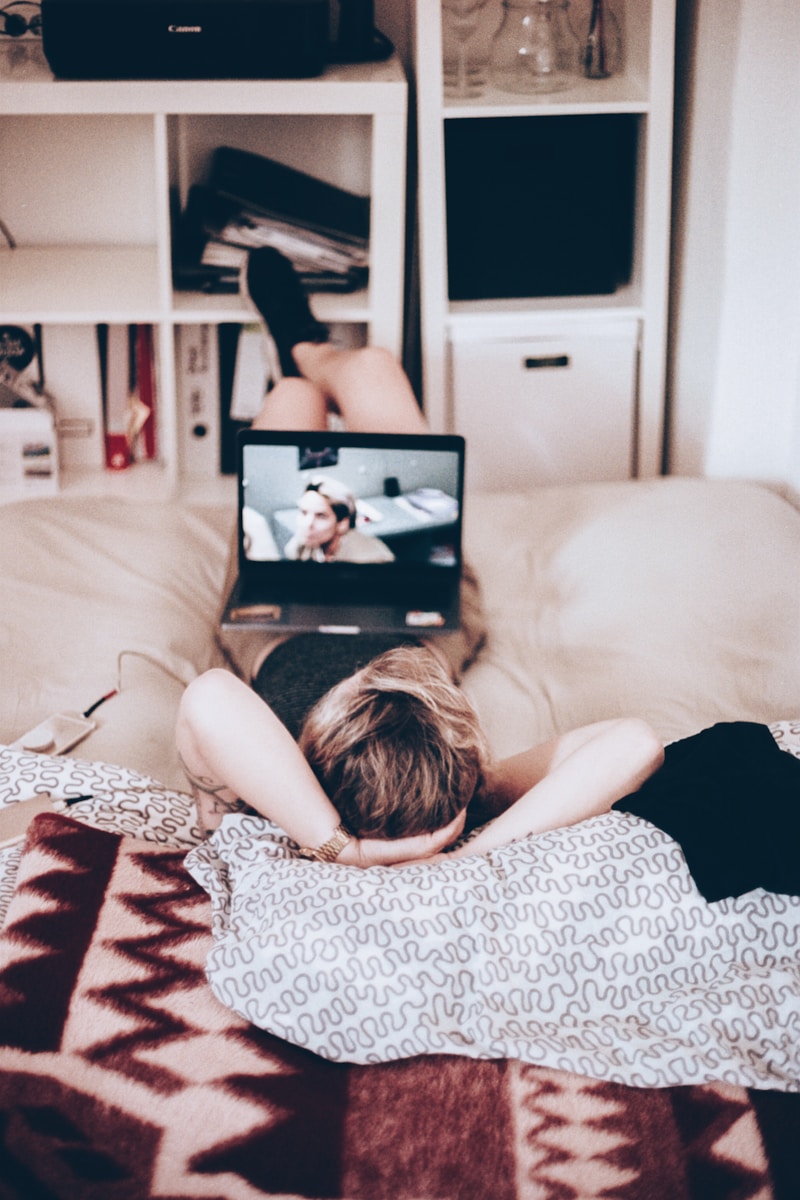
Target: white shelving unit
[[643, 88], [88, 172]]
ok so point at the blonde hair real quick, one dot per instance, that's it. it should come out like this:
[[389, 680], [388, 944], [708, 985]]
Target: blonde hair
[[398, 748], [338, 495]]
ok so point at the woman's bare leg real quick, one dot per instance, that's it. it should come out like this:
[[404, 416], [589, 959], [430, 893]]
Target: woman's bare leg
[[367, 385], [293, 404]]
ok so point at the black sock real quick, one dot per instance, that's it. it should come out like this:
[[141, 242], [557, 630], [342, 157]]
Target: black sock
[[276, 291]]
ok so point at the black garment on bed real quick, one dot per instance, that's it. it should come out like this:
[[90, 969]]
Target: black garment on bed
[[298, 672], [731, 798]]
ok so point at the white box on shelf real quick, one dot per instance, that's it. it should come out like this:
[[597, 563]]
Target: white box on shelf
[[28, 453], [549, 407]]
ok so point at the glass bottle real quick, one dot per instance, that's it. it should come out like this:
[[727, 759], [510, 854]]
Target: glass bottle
[[534, 50], [602, 50]]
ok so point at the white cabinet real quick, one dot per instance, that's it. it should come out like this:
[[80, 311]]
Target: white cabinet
[[604, 430], [92, 172]]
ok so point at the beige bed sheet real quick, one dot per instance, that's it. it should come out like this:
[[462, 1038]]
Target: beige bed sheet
[[677, 600]]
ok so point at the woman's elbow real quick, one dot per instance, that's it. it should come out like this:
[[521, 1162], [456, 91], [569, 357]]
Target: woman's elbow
[[644, 749], [201, 705]]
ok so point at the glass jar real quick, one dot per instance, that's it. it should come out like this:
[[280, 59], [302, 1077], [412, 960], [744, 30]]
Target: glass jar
[[535, 49]]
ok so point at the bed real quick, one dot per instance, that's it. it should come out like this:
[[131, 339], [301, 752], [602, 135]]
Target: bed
[[121, 1074]]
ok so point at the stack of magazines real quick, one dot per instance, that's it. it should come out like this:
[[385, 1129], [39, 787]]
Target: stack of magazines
[[253, 201]]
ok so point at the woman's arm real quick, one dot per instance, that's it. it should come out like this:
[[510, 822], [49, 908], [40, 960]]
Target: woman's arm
[[229, 739], [566, 780]]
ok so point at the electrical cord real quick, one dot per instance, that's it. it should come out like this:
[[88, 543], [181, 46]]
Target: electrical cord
[[151, 658]]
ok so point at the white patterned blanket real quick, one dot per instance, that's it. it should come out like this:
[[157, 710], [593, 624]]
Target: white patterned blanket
[[122, 801], [587, 949]]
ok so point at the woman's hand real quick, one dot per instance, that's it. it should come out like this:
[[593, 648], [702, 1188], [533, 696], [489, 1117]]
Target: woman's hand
[[389, 852]]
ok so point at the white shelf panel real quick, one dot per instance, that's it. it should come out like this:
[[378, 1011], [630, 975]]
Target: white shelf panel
[[619, 94], [468, 314], [197, 307], [79, 284], [29, 87]]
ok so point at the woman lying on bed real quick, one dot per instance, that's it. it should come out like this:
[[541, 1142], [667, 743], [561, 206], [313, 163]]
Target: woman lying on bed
[[392, 749], [591, 947], [390, 763]]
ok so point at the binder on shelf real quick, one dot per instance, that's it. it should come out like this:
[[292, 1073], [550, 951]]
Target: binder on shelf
[[198, 399], [253, 201], [228, 340], [282, 192], [251, 376], [117, 376], [78, 394]]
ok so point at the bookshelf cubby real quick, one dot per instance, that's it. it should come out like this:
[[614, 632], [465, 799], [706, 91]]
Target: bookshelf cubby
[[506, 329], [92, 175]]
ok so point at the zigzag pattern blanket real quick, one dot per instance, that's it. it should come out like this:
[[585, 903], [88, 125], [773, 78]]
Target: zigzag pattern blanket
[[123, 1078]]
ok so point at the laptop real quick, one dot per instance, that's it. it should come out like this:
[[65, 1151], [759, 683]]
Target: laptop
[[348, 533]]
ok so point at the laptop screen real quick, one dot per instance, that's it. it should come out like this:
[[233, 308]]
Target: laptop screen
[[363, 499]]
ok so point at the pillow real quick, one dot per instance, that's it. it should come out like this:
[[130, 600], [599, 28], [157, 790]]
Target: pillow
[[587, 949], [85, 580], [676, 600]]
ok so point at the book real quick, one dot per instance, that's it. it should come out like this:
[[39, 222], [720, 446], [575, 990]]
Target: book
[[228, 342], [128, 393], [78, 404]]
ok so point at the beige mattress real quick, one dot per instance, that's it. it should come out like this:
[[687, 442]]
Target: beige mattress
[[677, 600]]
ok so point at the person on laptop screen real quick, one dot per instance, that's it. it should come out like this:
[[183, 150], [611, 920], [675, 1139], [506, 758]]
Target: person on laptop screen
[[326, 529]]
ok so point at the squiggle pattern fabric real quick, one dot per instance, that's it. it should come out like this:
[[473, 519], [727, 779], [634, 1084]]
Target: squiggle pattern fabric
[[587, 949]]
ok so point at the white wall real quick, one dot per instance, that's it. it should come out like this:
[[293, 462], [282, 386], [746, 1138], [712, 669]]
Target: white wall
[[393, 18], [735, 381]]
